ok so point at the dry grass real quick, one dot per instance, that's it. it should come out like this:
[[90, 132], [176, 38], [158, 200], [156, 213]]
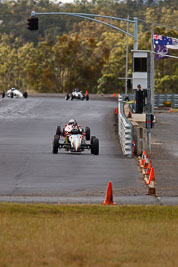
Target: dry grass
[[88, 235]]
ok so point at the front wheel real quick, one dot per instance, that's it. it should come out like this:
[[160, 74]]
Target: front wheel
[[87, 131], [87, 97], [11, 95], [58, 131], [55, 144]]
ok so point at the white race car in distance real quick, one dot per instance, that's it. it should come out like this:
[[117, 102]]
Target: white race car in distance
[[13, 92], [77, 94]]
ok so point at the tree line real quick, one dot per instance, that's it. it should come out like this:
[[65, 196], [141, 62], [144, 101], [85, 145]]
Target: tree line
[[68, 52]]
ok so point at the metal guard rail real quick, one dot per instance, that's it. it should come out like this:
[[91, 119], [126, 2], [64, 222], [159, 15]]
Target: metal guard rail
[[124, 129]]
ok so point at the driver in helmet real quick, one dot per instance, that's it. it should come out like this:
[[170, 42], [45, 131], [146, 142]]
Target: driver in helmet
[[71, 125]]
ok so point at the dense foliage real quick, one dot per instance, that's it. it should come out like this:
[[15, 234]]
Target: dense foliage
[[69, 52]]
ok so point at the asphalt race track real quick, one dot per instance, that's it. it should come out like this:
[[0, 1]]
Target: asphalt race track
[[30, 172]]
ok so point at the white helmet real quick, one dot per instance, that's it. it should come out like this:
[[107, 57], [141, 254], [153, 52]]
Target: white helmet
[[71, 122]]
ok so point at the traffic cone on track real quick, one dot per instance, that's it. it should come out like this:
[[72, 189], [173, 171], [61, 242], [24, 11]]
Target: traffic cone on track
[[116, 112], [143, 158], [109, 196], [147, 174], [142, 163], [144, 154], [170, 110], [114, 95], [151, 176], [151, 185], [145, 166]]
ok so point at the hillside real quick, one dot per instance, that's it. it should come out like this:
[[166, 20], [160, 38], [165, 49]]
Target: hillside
[[69, 52]]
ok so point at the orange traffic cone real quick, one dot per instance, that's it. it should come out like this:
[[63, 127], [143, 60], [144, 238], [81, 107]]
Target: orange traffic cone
[[143, 157], [151, 183], [151, 176], [170, 110], [114, 95], [147, 174], [116, 112], [109, 196], [145, 166], [142, 163], [144, 154]]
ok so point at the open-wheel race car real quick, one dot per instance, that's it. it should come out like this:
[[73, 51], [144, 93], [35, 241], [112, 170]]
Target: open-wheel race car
[[77, 94], [75, 140], [13, 92]]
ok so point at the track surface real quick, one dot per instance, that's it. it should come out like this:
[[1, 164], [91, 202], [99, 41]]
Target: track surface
[[29, 169]]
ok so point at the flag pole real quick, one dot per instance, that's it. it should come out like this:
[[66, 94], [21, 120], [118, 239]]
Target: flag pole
[[152, 70]]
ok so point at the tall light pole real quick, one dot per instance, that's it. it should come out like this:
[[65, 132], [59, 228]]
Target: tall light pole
[[126, 69]]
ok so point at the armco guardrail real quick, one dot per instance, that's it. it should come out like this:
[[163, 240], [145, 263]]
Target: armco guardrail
[[125, 130], [161, 98]]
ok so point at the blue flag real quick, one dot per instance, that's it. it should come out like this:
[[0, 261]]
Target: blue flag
[[162, 40]]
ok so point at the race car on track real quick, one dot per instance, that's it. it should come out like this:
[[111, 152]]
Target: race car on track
[[74, 139], [77, 94], [13, 92]]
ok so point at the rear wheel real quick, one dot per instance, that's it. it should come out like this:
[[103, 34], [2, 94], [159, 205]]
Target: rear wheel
[[25, 94], [91, 143], [95, 146], [58, 131], [87, 131], [3, 94], [55, 144], [11, 94]]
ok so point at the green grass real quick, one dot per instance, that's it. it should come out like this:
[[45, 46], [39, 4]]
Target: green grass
[[88, 235]]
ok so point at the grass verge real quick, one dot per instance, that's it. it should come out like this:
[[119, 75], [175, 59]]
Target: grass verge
[[88, 235]]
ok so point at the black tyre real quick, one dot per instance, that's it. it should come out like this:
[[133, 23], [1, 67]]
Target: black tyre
[[71, 97], [3, 94], [87, 97], [87, 131], [58, 131], [11, 94], [66, 96], [91, 143], [95, 146], [55, 144], [25, 94]]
